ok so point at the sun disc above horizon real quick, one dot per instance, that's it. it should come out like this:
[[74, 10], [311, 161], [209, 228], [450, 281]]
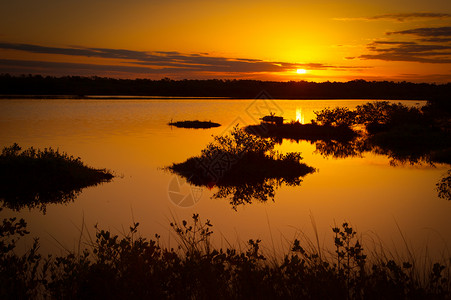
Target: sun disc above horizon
[[301, 71]]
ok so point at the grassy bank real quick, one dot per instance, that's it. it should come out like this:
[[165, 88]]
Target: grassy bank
[[34, 178], [114, 267]]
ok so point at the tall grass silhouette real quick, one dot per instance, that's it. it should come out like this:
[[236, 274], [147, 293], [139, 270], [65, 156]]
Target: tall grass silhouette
[[133, 266]]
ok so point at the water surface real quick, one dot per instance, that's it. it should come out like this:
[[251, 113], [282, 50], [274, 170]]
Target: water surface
[[132, 138]]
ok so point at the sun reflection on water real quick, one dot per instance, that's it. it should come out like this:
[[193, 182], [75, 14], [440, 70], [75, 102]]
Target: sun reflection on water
[[299, 116]]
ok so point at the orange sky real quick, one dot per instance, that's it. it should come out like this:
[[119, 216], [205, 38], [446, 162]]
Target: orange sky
[[270, 40]]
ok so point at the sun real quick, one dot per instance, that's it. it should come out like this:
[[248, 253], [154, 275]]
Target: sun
[[301, 71]]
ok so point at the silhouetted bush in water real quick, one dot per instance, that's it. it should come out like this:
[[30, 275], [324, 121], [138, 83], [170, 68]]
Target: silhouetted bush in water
[[405, 134], [34, 177], [195, 124], [241, 162], [338, 116], [138, 268]]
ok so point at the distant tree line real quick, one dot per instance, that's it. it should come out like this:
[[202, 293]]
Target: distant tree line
[[355, 89]]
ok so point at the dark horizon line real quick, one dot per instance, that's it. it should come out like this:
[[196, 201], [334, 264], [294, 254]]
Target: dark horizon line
[[80, 87], [214, 79]]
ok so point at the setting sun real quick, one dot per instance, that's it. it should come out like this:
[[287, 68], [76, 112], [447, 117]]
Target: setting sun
[[301, 71]]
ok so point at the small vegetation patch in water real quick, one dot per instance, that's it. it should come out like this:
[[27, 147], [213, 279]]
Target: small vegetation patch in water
[[195, 124], [242, 166], [34, 177]]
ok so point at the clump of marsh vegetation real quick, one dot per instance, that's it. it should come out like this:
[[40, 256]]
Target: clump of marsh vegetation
[[194, 124], [405, 134], [131, 266], [33, 177], [243, 166]]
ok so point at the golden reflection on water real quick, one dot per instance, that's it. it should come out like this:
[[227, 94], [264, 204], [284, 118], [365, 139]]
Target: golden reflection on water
[[299, 116], [132, 138]]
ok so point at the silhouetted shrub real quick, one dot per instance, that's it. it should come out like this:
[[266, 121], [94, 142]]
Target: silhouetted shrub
[[34, 177], [131, 266], [243, 167]]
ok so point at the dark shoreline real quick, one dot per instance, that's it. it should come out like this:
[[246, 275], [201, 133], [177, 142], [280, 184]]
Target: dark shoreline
[[79, 87]]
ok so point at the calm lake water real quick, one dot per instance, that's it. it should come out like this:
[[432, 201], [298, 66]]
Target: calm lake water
[[131, 137]]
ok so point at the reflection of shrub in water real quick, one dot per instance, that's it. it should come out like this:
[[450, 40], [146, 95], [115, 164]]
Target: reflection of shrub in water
[[341, 149], [246, 193], [296, 131], [444, 186], [242, 166], [34, 177], [410, 143], [405, 134]]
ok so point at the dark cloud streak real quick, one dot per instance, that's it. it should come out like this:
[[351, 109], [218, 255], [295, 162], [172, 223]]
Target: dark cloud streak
[[429, 45], [400, 17], [409, 52], [409, 16], [41, 65], [425, 31], [436, 40], [159, 62]]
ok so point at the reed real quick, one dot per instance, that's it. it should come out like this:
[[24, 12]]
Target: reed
[[132, 266]]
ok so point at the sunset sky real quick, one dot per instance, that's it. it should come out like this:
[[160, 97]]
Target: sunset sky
[[271, 40]]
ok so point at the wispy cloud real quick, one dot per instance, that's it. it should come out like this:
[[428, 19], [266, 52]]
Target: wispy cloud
[[411, 16], [428, 45], [401, 51], [158, 62], [425, 31], [11, 64], [391, 43], [388, 56], [436, 40], [401, 17]]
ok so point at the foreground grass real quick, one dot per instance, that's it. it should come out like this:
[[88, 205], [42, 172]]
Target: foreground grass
[[132, 266], [34, 177]]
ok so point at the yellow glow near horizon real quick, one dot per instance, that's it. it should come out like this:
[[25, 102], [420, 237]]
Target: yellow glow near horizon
[[210, 46], [301, 71]]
